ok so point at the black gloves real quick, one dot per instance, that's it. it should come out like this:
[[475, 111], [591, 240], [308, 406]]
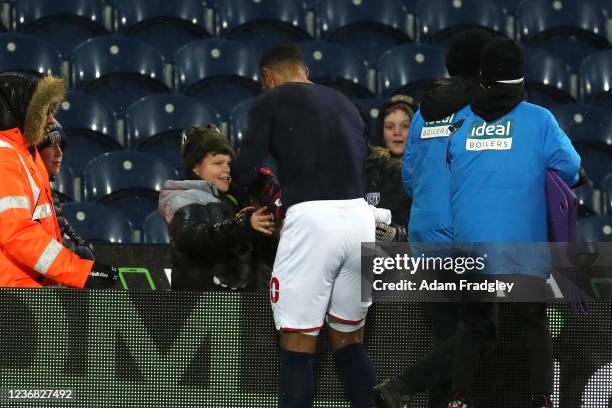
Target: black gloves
[[102, 276]]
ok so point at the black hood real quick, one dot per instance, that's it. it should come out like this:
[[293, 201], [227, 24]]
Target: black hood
[[16, 91], [25, 102], [448, 95]]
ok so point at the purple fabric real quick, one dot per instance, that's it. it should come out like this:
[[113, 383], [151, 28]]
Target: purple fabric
[[562, 209]]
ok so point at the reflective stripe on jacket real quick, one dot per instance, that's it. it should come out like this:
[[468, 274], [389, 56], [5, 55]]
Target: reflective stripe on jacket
[[31, 253]]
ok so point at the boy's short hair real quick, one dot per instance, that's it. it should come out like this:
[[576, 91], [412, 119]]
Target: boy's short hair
[[281, 56]]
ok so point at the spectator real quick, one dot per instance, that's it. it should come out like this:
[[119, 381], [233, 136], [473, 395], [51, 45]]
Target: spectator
[[210, 239], [394, 123], [51, 152], [31, 253], [384, 190]]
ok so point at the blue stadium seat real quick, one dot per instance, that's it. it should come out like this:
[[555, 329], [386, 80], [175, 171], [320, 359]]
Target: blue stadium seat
[[64, 183], [577, 120], [90, 128], [595, 229], [369, 27], [155, 230], [596, 161], [440, 20], [338, 67], [586, 125], [569, 29], [596, 77], [263, 23], [586, 198], [219, 72], [154, 124], [98, 223], [547, 79], [167, 25], [410, 70], [372, 106], [21, 52], [239, 122], [607, 193], [127, 181], [120, 70], [64, 23]]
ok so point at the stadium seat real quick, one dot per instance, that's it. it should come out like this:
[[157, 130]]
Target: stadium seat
[[119, 70], [90, 129], [440, 20], [569, 29], [167, 25], [239, 122], [155, 230], [127, 181], [217, 71], [21, 52], [597, 163], [596, 76], [155, 122], [607, 193], [594, 229], [576, 119], [547, 79], [64, 23], [64, 183], [586, 197], [98, 223], [338, 67], [410, 70], [263, 23], [369, 27], [372, 107]]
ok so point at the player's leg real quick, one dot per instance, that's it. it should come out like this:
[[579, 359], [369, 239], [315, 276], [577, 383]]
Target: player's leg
[[300, 289], [347, 312]]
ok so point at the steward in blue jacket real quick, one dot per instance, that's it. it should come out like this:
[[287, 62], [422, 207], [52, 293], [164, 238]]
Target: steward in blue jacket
[[498, 162]]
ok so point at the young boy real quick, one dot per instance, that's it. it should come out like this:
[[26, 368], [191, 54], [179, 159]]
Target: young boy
[[209, 238]]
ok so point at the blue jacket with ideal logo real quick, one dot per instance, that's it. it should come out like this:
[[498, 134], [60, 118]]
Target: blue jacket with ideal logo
[[497, 179], [425, 176]]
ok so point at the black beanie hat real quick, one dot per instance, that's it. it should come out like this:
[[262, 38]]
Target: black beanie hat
[[501, 60], [54, 134], [463, 54], [197, 142]]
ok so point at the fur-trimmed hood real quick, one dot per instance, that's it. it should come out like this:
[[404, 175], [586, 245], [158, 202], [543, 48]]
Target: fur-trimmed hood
[[25, 102]]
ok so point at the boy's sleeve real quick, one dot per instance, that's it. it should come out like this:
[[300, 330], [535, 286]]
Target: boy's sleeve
[[559, 153]]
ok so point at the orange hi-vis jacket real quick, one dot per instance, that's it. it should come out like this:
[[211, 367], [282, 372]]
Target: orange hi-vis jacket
[[31, 253]]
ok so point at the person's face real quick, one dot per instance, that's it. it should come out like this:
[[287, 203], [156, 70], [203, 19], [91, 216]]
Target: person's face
[[396, 127], [52, 158], [216, 169]]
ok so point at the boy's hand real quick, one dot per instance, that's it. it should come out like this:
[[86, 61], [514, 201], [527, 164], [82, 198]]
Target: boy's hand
[[262, 221]]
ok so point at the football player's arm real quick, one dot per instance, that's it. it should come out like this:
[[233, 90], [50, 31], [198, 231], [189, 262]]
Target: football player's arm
[[559, 153], [255, 146]]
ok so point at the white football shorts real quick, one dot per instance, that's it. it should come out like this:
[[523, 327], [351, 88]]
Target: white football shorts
[[317, 270]]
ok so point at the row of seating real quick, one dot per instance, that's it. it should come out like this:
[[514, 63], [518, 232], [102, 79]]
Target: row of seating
[[121, 70], [364, 23], [102, 224]]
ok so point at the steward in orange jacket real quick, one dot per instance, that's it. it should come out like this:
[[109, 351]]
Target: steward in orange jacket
[[31, 253]]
